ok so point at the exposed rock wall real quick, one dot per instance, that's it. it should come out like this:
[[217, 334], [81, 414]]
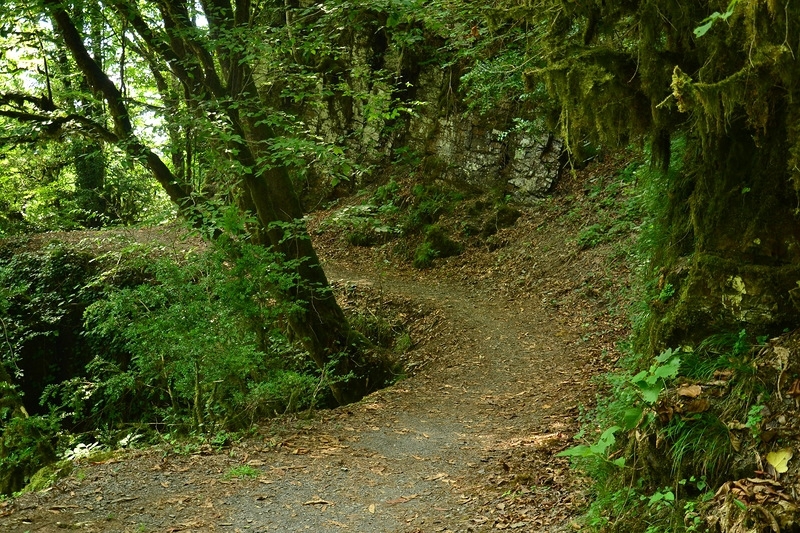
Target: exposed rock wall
[[391, 108]]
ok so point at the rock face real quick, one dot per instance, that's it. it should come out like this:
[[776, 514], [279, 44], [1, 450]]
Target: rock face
[[416, 117], [473, 152]]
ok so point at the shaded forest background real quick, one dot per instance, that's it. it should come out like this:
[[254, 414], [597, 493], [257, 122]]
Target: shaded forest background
[[239, 119]]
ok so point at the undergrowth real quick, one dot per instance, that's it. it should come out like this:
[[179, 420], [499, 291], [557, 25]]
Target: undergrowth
[[659, 443], [657, 455], [425, 222], [146, 343]]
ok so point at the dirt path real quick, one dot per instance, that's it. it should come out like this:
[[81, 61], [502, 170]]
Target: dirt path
[[453, 448]]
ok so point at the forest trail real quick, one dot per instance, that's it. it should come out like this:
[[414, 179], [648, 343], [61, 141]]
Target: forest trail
[[466, 443], [414, 457]]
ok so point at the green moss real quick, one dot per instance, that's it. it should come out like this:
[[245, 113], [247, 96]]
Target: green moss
[[503, 217], [437, 243], [46, 476], [713, 294], [424, 255]]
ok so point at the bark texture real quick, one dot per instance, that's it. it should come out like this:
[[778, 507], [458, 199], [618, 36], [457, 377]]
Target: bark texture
[[218, 80]]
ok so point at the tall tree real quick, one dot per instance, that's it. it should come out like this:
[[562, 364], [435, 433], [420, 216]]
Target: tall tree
[[722, 77], [208, 49]]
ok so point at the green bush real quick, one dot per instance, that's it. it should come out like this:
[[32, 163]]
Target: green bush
[[187, 348], [428, 203], [436, 244], [26, 445], [591, 236]]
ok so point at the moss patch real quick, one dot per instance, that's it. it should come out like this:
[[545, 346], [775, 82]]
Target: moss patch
[[714, 294], [46, 476]]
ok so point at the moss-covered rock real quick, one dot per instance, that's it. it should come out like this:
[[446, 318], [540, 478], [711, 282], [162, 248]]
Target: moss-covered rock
[[46, 476], [437, 243], [715, 294]]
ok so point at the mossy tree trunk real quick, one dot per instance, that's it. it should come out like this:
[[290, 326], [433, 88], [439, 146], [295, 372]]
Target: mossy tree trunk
[[731, 229], [733, 253]]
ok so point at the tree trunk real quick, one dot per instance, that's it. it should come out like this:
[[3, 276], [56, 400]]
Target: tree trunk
[[321, 325], [734, 261], [90, 177]]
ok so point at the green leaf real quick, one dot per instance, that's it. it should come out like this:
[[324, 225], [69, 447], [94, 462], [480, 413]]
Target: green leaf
[[711, 19], [606, 440], [576, 451], [665, 356], [631, 417], [703, 28], [669, 370], [650, 392]]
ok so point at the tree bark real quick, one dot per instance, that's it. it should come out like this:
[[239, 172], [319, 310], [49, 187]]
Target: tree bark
[[321, 326], [734, 261]]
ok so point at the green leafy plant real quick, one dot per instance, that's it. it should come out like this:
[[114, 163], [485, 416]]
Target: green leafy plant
[[660, 498], [709, 21], [436, 244], [667, 292], [598, 450], [649, 383], [242, 472], [754, 418], [184, 349], [590, 236]]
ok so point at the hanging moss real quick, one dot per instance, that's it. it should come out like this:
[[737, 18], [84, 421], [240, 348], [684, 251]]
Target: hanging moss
[[620, 70]]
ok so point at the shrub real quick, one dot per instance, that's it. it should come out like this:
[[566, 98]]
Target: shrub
[[188, 347]]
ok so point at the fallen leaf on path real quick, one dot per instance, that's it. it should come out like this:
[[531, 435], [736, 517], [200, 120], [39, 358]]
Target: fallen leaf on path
[[401, 499], [129, 499], [440, 475], [372, 508], [317, 501]]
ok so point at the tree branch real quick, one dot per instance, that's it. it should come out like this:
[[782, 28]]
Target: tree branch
[[19, 100], [102, 84]]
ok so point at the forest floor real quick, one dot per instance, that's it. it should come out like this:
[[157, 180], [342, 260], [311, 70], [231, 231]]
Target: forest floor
[[506, 343]]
